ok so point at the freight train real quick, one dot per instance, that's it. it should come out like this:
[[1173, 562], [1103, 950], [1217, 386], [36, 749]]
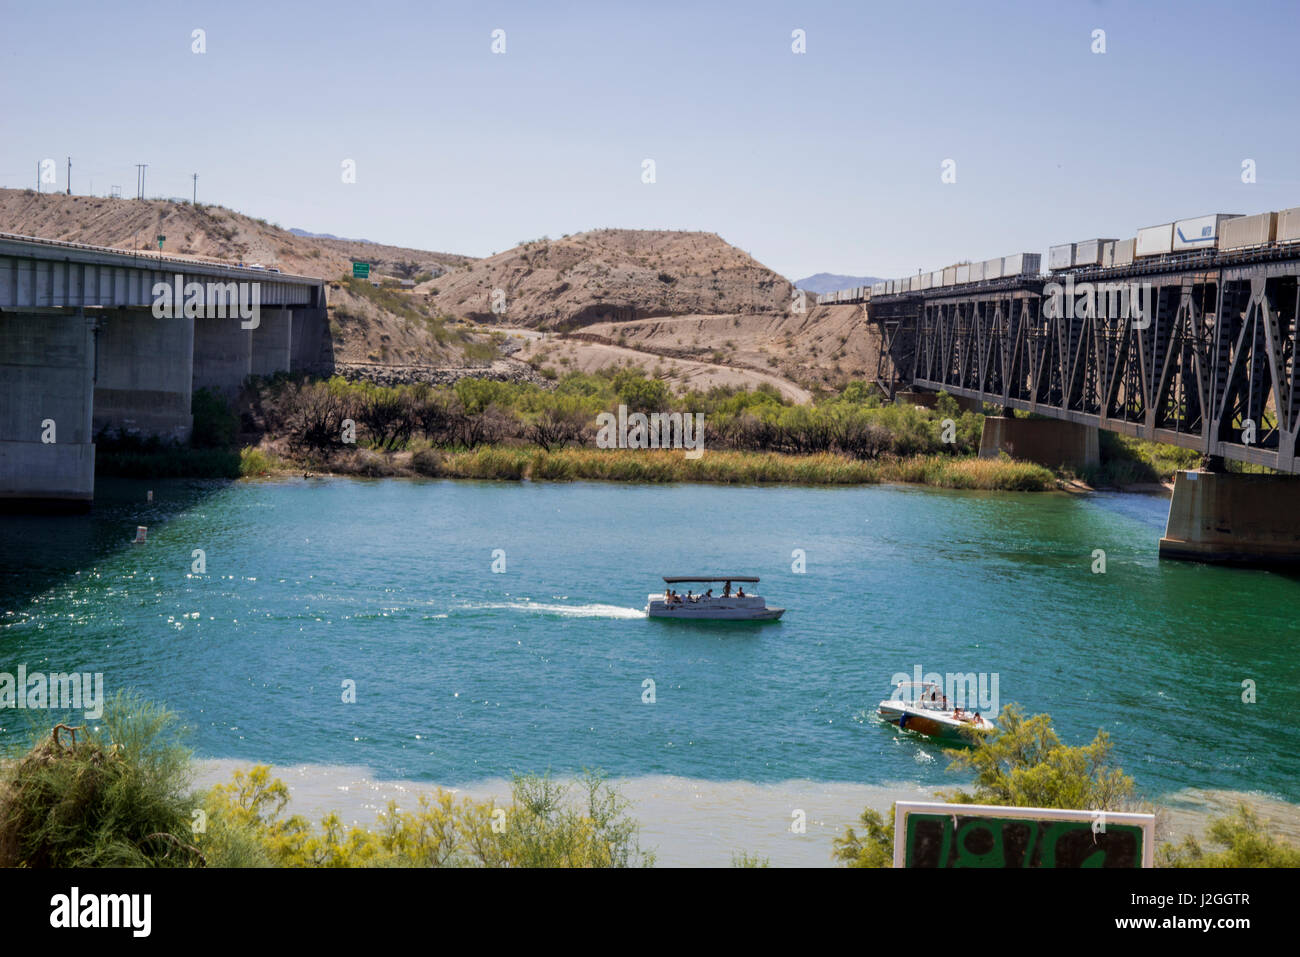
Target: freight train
[[1223, 232]]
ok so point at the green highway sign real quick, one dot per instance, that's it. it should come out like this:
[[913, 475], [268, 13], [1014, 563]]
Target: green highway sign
[[361, 270], [982, 836]]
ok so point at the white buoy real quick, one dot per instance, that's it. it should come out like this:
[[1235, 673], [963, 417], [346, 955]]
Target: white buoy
[[140, 532]]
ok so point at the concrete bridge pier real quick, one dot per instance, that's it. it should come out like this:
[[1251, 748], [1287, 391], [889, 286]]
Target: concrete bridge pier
[[272, 342], [47, 393], [1051, 442], [223, 354], [144, 372], [1232, 517]]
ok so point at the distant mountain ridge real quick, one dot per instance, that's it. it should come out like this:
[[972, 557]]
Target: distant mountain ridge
[[343, 239], [832, 282]]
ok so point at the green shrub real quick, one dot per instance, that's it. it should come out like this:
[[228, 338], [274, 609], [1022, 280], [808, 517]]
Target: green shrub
[[216, 425]]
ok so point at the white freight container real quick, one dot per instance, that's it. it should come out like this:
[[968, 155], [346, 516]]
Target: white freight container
[[879, 289], [1021, 264], [1154, 241], [893, 286], [1246, 231], [950, 274], [913, 283], [1288, 225], [925, 280], [936, 279], [963, 273], [1088, 253], [993, 268], [1200, 232], [1060, 257], [1124, 251], [1108, 253], [977, 271]]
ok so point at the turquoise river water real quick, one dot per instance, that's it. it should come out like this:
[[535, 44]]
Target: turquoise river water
[[464, 675]]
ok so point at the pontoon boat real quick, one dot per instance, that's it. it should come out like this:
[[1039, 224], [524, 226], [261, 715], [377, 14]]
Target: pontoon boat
[[729, 605]]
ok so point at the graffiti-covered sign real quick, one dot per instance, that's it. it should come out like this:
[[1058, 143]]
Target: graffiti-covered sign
[[976, 835]]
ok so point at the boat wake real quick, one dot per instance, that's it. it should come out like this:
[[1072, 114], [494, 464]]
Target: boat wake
[[563, 611]]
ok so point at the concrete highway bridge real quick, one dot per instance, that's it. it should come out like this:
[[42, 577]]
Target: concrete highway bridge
[[95, 339], [1197, 350]]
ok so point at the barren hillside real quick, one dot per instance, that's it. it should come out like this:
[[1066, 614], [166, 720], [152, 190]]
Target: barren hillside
[[611, 275], [210, 232]]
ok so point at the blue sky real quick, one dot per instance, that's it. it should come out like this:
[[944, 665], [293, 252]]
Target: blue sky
[[825, 161]]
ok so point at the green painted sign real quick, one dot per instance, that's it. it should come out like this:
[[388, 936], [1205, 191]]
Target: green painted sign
[[161, 237], [990, 837], [361, 270]]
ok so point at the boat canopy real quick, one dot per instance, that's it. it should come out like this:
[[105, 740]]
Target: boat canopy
[[710, 578]]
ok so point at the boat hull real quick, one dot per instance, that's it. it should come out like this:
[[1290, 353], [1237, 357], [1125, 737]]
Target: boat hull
[[716, 614], [713, 609]]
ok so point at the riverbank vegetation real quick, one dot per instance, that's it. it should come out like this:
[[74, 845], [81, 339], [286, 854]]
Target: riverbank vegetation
[[485, 429], [122, 797], [517, 430]]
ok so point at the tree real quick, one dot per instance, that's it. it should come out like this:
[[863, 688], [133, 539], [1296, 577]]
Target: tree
[[1244, 841]]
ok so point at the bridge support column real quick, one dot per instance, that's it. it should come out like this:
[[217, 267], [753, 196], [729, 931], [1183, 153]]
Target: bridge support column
[[272, 342], [1049, 442], [223, 355], [313, 349], [1232, 517], [47, 391], [145, 369]]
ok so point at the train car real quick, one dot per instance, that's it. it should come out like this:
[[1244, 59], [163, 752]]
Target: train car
[[1089, 252], [1246, 232], [1288, 225], [993, 268], [1200, 232], [1154, 241], [1060, 257], [1022, 264]]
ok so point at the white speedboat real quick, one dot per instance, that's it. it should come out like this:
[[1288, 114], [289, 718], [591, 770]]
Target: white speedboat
[[925, 709], [731, 604]]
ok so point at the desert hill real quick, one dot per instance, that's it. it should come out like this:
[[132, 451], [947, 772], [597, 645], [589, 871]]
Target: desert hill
[[611, 275], [208, 232]]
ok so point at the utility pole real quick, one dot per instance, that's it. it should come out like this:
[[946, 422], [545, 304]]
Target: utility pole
[[195, 200], [38, 177], [69, 175], [139, 179]]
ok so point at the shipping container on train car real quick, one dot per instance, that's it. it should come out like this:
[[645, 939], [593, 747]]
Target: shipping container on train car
[[950, 275], [880, 289], [1089, 253], [1060, 257], [1288, 225], [923, 281], [1021, 264], [993, 268], [1125, 249], [1247, 231], [936, 279], [1200, 232], [1154, 241], [977, 271], [1108, 253], [963, 273]]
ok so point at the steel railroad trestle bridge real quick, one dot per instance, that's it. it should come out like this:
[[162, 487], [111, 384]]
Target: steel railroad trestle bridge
[[1209, 363]]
